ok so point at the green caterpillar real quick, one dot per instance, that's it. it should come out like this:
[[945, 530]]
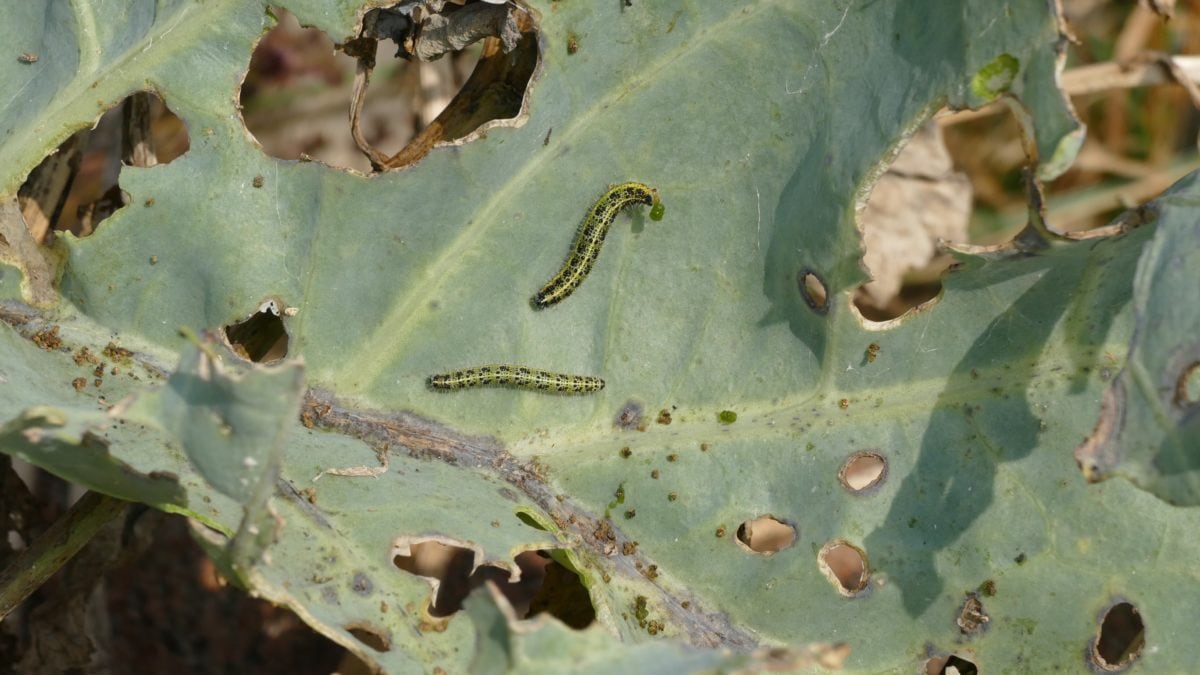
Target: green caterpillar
[[590, 238], [519, 377]]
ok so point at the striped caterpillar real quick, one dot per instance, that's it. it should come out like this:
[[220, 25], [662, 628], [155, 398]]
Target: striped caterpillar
[[520, 377], [590, 238]]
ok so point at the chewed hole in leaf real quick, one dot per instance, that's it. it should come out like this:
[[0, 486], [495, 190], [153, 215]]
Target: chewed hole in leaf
[[1187, 390], [916, 293], [766, 535], [76, 186], [561, 594], [863, 471], [919, 201], [813, 290], [845, 565], [1121, 638], [370, 636], [545, 586], [404, 98], [952, 664], [449, 565], [261, 338]]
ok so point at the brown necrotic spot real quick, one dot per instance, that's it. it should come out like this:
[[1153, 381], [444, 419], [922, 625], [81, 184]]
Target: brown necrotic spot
[[76, 186], [845, 565], [972, 617], [261, 338], [48, 339], [545, 585], [766, 535], [813, 290], [299, 83], [1120, 639], [863, 471]]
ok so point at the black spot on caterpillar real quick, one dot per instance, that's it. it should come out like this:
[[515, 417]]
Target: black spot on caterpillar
[[520, 377], [590, 238]]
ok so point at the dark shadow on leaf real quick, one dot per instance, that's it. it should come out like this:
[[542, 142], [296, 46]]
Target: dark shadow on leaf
[[1089, 322], [976, 426], [803, 237], [813, 228], [933, 39]]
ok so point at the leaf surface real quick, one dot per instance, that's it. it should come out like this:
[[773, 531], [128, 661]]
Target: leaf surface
[[762, 124]]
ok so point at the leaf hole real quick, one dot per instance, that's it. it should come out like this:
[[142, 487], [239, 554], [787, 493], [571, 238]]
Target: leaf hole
[[261, 338], [992, 146], [863, 472], [370, 636], [546, 585], [562, 595], [918, 201], [1121, 638], [845, 565], [76, 187], [1187, 389], [813, 290], [300, 83], [915, 294], [766, 535], [952, 664]]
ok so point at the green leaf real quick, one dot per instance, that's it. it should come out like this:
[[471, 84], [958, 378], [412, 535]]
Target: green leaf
[[1150, 421], [231, 427], [552, 647], [226, 423], [762, 125]]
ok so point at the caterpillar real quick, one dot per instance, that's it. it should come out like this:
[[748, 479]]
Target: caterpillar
[[520, 377], [590, 237]]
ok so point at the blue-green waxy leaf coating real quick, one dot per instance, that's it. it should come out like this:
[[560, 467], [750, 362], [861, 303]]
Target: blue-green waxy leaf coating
[[762, 124], [1149, 430]]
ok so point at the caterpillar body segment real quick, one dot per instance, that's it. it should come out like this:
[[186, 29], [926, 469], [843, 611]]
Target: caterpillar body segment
[[590, 238], [518, 377]]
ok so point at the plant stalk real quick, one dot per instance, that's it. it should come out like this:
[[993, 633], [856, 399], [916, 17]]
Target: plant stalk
[[36, 564]]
